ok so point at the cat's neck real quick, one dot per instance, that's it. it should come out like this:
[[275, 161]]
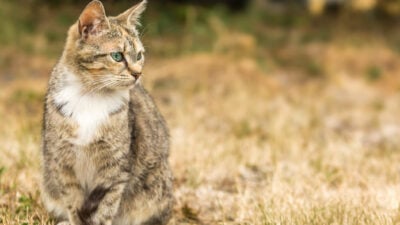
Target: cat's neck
[[88, 109], [72, 95]]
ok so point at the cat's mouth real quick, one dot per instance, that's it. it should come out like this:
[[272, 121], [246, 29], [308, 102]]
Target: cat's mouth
[[128, 82], [131, 82]]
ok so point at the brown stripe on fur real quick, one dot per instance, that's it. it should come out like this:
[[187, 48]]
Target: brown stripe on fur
[[58, 109], [91, 204], [120, 109], [95, 71]]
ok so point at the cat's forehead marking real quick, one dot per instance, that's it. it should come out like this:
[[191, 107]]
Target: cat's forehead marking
[[118, 38], [113, 40], [129, 45], [112, 47], [114, 33], [131, 42]]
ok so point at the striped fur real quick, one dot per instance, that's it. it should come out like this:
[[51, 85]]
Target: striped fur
[[105, 144]]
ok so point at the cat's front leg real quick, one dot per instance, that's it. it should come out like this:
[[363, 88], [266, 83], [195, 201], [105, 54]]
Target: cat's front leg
[[72, 194], [102, 204]]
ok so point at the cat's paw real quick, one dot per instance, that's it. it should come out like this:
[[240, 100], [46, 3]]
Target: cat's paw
[[63, 223]]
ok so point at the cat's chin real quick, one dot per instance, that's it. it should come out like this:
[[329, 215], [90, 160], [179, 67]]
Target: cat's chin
[[131, 85]]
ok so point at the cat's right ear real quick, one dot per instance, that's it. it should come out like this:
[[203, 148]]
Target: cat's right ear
[[92, 20]]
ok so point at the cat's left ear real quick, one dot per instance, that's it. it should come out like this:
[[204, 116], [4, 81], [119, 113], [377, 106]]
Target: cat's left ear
[[132, 15]]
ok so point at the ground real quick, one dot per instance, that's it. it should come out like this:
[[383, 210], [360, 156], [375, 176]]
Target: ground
[[300, 134]]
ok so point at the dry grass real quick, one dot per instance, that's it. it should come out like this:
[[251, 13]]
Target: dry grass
[[248, 146]]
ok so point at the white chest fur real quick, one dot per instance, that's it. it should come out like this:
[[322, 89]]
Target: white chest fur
[[88, 110]]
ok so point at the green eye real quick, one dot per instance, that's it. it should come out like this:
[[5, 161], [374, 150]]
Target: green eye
[[117, 56], [139, 56]]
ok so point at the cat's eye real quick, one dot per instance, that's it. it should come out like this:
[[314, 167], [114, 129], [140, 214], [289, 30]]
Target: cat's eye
[[117, 56], [139, 56]]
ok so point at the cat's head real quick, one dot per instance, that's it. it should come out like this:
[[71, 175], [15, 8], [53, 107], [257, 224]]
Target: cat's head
[[105, 53]]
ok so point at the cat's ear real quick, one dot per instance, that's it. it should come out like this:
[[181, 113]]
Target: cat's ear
[[93, 20], [132, 15]]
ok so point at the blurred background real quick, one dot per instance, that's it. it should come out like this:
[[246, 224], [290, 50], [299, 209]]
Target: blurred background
[[280, 111], [277, 34]]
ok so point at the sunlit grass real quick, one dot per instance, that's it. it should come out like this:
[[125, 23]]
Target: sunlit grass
[[280, 122], [246, 148]]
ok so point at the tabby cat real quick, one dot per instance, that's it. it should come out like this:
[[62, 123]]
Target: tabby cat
[[105, 144]]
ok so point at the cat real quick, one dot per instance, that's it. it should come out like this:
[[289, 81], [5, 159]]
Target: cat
[[105, 144]]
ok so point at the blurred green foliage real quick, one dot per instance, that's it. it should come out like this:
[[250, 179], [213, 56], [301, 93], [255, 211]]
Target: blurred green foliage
[[263, 30], [374, 73]]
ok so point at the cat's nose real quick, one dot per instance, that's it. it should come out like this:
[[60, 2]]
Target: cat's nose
[[136, 71], [136, 75]]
